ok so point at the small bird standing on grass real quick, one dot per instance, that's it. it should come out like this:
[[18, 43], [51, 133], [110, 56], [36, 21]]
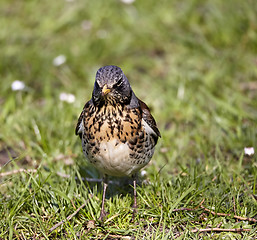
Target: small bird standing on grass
[[117, 130]]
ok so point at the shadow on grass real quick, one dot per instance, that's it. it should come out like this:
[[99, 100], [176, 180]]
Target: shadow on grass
[[116, 185]]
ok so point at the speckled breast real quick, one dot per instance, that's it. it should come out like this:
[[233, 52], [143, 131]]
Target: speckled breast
[[115, 140]]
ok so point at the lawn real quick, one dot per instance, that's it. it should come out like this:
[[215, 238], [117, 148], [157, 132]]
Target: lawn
[[193, 62]]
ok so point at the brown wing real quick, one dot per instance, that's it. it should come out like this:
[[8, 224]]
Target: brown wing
[[79, 129], [147, 116]]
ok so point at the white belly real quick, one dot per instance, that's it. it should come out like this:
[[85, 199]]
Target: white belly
[[114, 159]]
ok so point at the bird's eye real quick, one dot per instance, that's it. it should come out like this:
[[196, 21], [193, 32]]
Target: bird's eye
[[118, 84]]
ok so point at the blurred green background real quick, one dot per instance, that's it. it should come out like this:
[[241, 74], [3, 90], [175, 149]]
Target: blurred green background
[[193, 63]]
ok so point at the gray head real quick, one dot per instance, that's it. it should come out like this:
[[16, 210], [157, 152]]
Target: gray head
[[111, 86]]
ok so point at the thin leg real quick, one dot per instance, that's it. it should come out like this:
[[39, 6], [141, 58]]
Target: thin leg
[[135, 197], [105, 185], [135, 193]]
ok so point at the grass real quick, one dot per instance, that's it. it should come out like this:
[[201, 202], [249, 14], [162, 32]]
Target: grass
[[192, 62]]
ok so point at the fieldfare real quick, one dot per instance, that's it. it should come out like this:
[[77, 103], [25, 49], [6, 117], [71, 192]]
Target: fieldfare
[[117, 130]]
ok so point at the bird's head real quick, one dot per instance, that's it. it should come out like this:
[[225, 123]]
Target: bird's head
[[111, 86]]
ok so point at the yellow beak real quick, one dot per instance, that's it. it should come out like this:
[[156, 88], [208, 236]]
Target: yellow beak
[[105, 90]]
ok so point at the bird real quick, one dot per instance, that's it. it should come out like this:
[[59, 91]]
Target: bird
[[117, 131]]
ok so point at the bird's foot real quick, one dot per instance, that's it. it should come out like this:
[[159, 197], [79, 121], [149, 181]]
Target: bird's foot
[[103, 214]]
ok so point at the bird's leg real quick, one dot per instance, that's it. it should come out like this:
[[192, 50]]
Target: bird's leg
[[105, 185], [135, 196]]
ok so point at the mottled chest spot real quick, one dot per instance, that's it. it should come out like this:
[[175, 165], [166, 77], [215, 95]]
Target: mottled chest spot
[[110, 122]]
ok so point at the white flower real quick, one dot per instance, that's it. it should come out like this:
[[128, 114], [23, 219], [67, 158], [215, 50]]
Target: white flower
[[86, 25], [249, 151], [143, 173], [181, 92], [127, 1], [102, 33], [67, 97], [59, 60], [18, 85]]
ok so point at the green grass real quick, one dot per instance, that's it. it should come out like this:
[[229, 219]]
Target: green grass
[[193, 63]]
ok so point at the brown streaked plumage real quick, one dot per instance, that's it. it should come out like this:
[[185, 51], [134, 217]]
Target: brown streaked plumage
[[117, 130]]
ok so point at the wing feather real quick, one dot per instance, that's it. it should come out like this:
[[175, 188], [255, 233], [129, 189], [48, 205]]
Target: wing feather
[[148, 118], [80, 127]]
